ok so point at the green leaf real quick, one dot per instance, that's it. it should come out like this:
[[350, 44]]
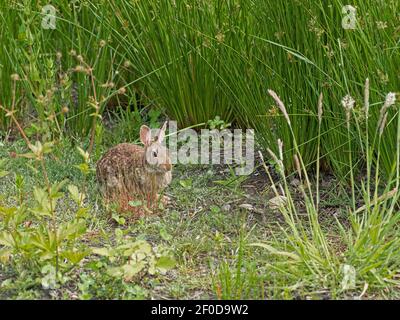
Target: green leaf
[[187, 183], [135, 203], [49, 281], [74, 256], [5, 255], [82, 213], [47, 147], [165, 263], [77, 196], [3, 173], [36, 148], [119, 234], [22, 33], [56, 187], [140, 246], [71, 230], [131, 269], [118, 219], [42, 199], [115, 271], [84, 168], [7, 239], [165, 235], [101, 252]]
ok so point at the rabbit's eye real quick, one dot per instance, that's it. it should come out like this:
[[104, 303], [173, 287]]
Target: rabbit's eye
[[154, 154]]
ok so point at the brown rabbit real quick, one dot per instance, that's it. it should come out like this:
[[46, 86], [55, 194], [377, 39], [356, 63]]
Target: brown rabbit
[[129, 172]]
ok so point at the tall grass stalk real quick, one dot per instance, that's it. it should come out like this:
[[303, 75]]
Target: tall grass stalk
[[368, 247]]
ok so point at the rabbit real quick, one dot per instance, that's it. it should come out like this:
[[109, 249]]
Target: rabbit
[[128, 171]]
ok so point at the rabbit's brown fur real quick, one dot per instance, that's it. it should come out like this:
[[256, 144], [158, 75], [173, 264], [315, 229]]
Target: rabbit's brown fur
[[124, 174]]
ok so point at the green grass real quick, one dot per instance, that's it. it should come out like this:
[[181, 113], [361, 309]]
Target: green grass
[[204, 59], [195, 228], [110, 66], [48, 83], [199, 61], [213, 245]]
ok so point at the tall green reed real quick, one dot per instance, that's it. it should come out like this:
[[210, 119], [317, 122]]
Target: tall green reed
[[200, 59]]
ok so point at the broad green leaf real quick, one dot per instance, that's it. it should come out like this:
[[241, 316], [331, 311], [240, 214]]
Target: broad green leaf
[[5, 255], [84, 168], [132, 269], [42, 199], [71, 230], [82, 213], [115, 272], [140, 246], [118, 219], [165, 263], [101, 252], [3, 173], [74, 256], [77, 196], [7, 239]]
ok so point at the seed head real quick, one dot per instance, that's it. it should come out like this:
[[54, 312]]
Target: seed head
[[280, 105], [108, 85], [348, 102], [383, 124], [348, 105], [220, 37], [390, 100], [320, 110], [64, 110], [79, 58], [366, 98], [89, 70], [80, 68], [297, 164], [122, 90], [15, 77]]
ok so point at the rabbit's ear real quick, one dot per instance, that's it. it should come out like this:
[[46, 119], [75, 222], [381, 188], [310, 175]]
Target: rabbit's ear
[[145, 135], [161, 133]]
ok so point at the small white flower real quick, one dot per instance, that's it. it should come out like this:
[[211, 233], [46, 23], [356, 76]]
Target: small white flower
[[381, 24], [348, 102], [390, 99]]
